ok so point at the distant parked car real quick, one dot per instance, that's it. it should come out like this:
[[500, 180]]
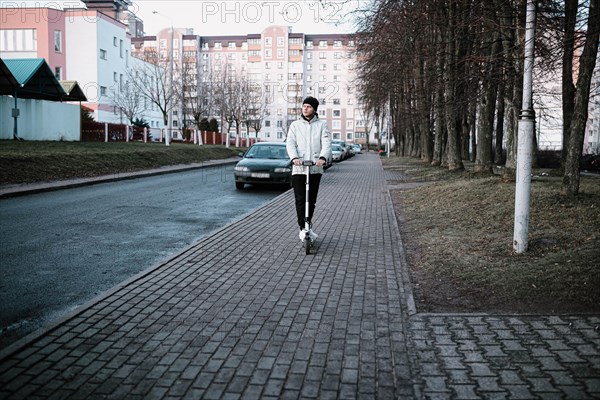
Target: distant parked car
[[264, 163], [336, 152], [344, 147], [357, 148]]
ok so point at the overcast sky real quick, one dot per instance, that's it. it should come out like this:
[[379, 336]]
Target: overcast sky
[[230, 17]]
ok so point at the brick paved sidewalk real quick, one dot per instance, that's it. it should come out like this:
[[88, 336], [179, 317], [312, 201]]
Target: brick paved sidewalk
[[245, 314]]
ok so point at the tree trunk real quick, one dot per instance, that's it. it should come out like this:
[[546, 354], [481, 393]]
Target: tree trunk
[[499, 125], [587, 62], [568, 86], [487, 108], [472, 131], [439, 115], [515, 88], [453, 152]]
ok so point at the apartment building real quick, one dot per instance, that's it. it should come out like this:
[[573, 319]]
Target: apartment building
[[591, 143], [82, 45], [287, 66]]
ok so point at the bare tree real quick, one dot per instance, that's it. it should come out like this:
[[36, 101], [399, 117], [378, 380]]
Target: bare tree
[[587, 62], [127, 99], [151, 80], [258, 101]]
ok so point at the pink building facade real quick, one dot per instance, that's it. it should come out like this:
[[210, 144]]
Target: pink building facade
[[34, 33]]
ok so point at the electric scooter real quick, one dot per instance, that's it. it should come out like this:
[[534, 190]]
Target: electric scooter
[[308, 243]]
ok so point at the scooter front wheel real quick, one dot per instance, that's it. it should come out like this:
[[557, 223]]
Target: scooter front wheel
[[307, 245]]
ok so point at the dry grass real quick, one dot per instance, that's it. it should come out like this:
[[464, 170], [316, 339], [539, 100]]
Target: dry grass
[[457, 230], [29, 161]]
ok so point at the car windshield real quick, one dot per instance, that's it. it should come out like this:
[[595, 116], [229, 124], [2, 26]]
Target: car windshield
[[335, 147], [267, 151]]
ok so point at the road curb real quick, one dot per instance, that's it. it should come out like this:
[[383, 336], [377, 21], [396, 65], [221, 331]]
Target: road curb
[[32, 188]]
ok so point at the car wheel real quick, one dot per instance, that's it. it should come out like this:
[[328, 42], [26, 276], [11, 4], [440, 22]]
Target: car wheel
[[239, 185]]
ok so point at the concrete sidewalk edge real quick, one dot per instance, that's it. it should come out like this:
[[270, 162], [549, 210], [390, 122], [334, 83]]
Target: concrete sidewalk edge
[[32, 188]]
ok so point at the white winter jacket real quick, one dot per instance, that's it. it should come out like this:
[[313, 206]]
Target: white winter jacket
[[303, 134]]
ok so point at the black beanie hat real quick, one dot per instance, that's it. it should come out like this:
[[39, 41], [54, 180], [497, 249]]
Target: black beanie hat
[[312, 101]]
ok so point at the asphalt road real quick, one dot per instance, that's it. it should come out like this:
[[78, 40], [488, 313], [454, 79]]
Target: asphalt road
[[61, 249]]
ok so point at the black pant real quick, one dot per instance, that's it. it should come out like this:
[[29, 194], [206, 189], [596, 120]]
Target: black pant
[[299, 184]]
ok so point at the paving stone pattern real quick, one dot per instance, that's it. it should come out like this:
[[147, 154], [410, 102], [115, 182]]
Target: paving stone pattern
[[246, 314]]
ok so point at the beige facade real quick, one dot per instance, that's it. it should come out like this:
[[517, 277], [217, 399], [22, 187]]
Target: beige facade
[[287, 66]]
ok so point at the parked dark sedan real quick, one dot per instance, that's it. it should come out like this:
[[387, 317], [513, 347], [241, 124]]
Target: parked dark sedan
[[264, 163]]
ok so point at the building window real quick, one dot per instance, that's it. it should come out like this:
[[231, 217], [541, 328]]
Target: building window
[[102, 54], [58, 72], [309, 44], [280, 53], [114, 76], [58, 41], [218, 45], [336, 102], [336, 124], [121, 52], [337, 43], [267, 123], [323, 43], [322, 55], [163, 43], [337, 113], [309, 55], [231, 45], [268, 41], [18, 40], [115, 41], [280, 41], [336, 135], [349, 136], [322, 67], [102, 90], [268, 53]]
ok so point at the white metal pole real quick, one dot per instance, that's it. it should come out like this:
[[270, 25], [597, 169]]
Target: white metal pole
[[171, 91], [525, 140]]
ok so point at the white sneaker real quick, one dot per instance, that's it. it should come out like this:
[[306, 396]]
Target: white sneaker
[[301, 235]]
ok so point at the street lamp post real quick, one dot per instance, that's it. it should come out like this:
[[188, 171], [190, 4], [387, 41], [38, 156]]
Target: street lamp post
[[171, 97], [525, 140]]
